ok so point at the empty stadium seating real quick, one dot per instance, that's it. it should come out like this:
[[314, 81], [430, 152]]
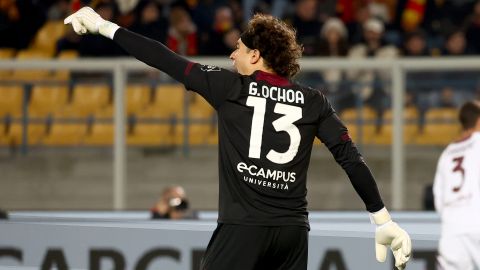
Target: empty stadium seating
[[87, 99], [65, 134], [6, 53], [169, 102], [35, 74], [64, 75], [441, 127], [100, 134], [199, 107], [46, 38], [353, 114], [367, 127], [410, 127], [36, 132], [47, 99], [198, 133], [137, 98], [151, 134], [11, 100]]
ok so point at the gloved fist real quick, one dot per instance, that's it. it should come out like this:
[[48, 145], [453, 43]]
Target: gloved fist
[[389, 234], [86, 20]]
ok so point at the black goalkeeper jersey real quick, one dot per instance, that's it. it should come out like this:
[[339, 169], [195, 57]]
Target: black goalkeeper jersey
[[267, 125]]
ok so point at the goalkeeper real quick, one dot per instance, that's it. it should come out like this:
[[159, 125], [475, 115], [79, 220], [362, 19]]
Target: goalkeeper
[[267, 124]]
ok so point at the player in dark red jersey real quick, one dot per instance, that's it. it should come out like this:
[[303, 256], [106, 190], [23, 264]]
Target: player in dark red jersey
[[267, 124]]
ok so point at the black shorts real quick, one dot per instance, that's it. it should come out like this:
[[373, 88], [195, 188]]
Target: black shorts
[[243, 247]]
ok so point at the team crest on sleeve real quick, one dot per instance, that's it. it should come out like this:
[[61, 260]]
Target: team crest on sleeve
[[209, 68]]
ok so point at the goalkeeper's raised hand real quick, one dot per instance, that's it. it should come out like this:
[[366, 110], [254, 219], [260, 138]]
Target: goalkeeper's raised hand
[[86, 20], [389, 234]]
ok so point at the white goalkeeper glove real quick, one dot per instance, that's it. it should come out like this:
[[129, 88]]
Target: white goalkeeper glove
[[388, 233], [86, 20]]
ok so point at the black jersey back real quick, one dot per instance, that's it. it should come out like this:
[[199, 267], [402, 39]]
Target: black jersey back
[[267, 125], [266, 130]]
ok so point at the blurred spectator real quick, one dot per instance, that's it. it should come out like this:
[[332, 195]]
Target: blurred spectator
[[415, 44], [355, 24], [202, 12], [59, 10], [277, 8], [3, 214], [182, 33], [447, 98], [333, 38], [370, 85], [473, 29], [383, 9], [216, 42], [149, 20], [456, 44], [373, 43], [19, 22], [333, 43], [418, 83], [236, 6], [307, 24], [173, 204]]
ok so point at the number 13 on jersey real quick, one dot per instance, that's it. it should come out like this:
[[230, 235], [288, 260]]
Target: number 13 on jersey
[[285, 123]]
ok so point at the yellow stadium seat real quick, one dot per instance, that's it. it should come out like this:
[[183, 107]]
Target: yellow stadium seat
[[35, 74], [410, 127], [11, 100], [6, 53], [198, 134], [351, 115], [438, 134], [137, 98], [168, 102], [445, 114], [87, 99], [48, 35], [64, 75], [385, 136], [408, 113], [213, 137], [3, 133], [46, 100], [199, 108], [101, 134], [36, 132], [66, 134], [368, 132], [104, 113], [441, 127], [150, 134]]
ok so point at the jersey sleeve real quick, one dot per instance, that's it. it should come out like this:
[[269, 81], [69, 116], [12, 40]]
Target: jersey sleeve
[[333, 133], [215, 84]]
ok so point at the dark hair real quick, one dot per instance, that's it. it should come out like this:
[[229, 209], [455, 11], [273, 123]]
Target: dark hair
[[469, 114], [276, 42]]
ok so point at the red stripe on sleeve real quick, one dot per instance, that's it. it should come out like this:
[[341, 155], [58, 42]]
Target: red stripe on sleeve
[[188, 68]]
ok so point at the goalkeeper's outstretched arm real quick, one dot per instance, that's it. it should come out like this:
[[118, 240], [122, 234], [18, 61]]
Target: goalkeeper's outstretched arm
[[334, 135]]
